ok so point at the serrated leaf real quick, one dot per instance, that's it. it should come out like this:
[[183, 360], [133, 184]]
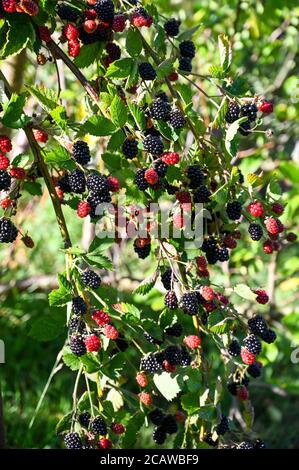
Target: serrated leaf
[[146, 285], [20, 32], [131, 312], [70, 360], [138, 115], [164, 69], [133, 42], [116, 141], [190, 403], [99, 260], [231, 134], [166, 318], [84, 400], [63, 295], [99, 245], [59, 117], [88, 55], [13, 110], [120, 68], [64, 424], [47, 327], [45, 97], [98, 126], [116, 399], [207, 413], [132, 428], [20, 160], [57, 155], [220, 117], [254, 180], [91, 363], [33, 188], [216, 71], [244, 291], [118, 112], [167, 385], [186, 35], [274, 190], [225, 50]]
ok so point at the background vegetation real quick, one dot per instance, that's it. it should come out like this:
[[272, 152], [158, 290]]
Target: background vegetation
[[265, 37]]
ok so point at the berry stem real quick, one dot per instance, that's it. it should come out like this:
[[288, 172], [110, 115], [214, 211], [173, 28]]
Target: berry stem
[[75, 393]]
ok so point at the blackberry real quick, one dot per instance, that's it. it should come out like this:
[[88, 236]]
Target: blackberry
[[244, 128], [172, 27], [233, 210], [185, 64], [142, 251], [97, 183], [105, 10], [269, 336], [185, 358], [162, 96], [84, 419], [223, 426], [147, 71], [5, 180], [173, 355], [114, 52], [189, 303], [175, 330], [156, 416], [233, 112], [234, 348], [254, 370], [259, 444], [76, 180], [170, 424], [209, 244], [153, 144], [209, 440], [65, 12], [160, 167], [258, 325], [91, 279], [130, 148], [76, 325], [159, 435], [245, 445], [170, 188], [195, 176], [187, 49], [253, 344], [79, 307], [255, 231], [212, 256], [77, 345], [8, 231], [81, 152], [202, 194], [160, 109], [140, 181], [151, 339], [176, 119], [222, 254], [98, 426], [250, 111], [166, 279], [232, 387], [63, 183], [72, 440], [98, 198], [152, 363], [171, 300]]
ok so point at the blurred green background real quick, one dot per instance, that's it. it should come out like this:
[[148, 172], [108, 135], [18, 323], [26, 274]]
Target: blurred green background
[[265, 53]]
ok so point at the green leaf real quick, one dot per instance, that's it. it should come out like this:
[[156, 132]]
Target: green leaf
[[146, 285], [88, 55], [33, 188], [164, 69], [133, 42], [132, 428], [217, 323], [64, 424], [14, 110], [220, 117], [216, 71], [118, 112], [120, 68], [254, 180], [116, 141], [230, 138], [63, 295], [99, 245], [91, 363], [59, 116], [186, 35], [98, 126], [166, 318], [116, 398], [99, 260], [70, 360], [274, 190], [47, 327], [244, 291], [131, 312], [138, 115], [225, 50], [20, 160], [190, 403], [133, 76], [167, 385], [47, 98], [84, 401], [57, 155], [20, 32], [207, 413]]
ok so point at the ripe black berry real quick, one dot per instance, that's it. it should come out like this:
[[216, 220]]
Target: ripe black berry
[[253, 344], [76, 180], [173, 355], [166, 279], [72, 440], [244, 128], [170, 424], [140, 181], [233, 210], [152, 363], [147, 71], [77, 345], [209, 244], [142, 251], [175, 330], [77, 325], [233, 112], [8, 232], [65, 12], [254, 370], [172, 27], [187, 49], [5, 180], [259, 444], [98, 426], [105, 10], [130, 148], [234, 348], [156, 416], [159, 435], [91, 279], [84, 419], [202, 194], [255, 231], [63, 183], [250, 111], [189, 303], [223, 426], [81, 152], [245, 445], [258, 325], [79, 307], [185, 64], [97, 183], [153, 144], [269, 336], [195, 176], [160, 167], [210, 441], [160, 109], [171, 300], [151, 339], [185, 358], [222, 254], [232, 387], [176, 119]]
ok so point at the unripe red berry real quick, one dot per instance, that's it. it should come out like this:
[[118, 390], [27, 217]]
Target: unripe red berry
[[207, 293], [92, 343], [178, 220], [74, 48], [180, 416], [268, 247], [9, 6], [256, 209], [183, 197], [145, 398], [83, 209], [59, 193], [89, 14], [201, 263], [40, 136], [247, 356], [100, 317], [6, 202], [4, 162], [119, 23], [141, 379], [71, 32], [262, 296], [105, 443], [243, 393], [168, 367], [110, 332], [89, 26], [173, 76], [5, 144], [28, 241], [230, 242], [118, 428], [29, 7], [266, 107], [277, 208], [151, 176], [171, 158], [203, 273], [291, 237], [192, 341], [222, 299], [44, 33], [113, 184], [17, 173], [274, 226]]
